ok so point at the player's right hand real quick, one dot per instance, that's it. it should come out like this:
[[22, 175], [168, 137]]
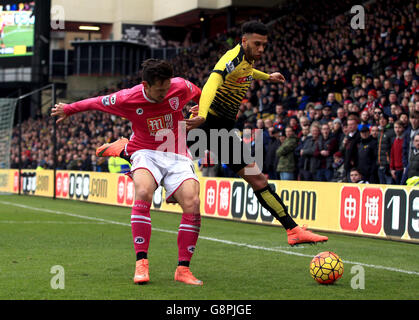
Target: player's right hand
[[194, 111], [58, 111]]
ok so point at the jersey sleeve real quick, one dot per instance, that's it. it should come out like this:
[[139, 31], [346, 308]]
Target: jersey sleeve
[[208, 94], [259, 75], [112, 104], [229, 61], [193, 92]]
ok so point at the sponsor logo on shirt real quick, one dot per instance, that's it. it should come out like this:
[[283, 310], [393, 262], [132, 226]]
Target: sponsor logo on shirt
[[244, 79], [159, 123]]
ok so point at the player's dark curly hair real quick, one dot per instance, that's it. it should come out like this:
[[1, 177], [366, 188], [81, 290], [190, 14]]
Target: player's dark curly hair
[[254, 27], [156, 70]]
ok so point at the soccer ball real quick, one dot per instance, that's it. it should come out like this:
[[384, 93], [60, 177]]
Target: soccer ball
[[326, 267]]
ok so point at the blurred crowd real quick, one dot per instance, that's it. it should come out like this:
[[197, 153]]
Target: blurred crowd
[[348, 111]]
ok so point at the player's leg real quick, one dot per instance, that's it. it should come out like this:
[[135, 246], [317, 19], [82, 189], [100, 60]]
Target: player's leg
[[187, 195], [144, 185], [270, 200]]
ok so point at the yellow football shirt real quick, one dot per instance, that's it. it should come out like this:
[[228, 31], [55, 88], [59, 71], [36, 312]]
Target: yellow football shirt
[[223, 95]]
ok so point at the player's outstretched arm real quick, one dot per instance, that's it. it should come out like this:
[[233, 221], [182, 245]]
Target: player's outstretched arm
[[58, 111], [275, 77]]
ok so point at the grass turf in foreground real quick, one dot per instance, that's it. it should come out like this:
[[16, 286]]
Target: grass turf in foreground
[[236, 261]]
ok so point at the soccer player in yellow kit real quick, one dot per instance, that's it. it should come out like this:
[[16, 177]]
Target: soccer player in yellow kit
[[218, 106]]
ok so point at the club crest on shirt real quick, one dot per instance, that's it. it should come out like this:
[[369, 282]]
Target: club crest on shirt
[[174, 103]]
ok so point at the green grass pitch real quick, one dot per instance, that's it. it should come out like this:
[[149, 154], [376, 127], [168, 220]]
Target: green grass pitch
[[236, 261]]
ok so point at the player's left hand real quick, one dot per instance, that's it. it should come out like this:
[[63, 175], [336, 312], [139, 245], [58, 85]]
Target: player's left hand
[[276, 77], [58, 111], [194, 122]]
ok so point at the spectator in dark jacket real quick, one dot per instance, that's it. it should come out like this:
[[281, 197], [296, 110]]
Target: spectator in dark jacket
[[304, 134], [310, 161], [326, 147], [410, 132], [367, 155], [385, 139], [350, 142], [338, 168]]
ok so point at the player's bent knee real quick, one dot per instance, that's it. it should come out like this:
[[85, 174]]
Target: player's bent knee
[[143, 194], [194, 203], [257, 181]]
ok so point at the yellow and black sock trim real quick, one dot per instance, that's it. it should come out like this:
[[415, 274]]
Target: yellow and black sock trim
[[273, 203]]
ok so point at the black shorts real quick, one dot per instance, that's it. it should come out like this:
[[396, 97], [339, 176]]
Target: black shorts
[[222, 139]]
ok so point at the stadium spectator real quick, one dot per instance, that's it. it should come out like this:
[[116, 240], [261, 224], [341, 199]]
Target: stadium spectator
[[410, 132], [384, 142], [349, 144], [367, 155], [305, 131], [311, 162], [356, 176], [396, 153], [15, 163], [332, 103], [326, 114], [286, 164], [208, 166], [414, 159], [326, 147], [271, 159], [118, 165], [75, 163], [338, 168]]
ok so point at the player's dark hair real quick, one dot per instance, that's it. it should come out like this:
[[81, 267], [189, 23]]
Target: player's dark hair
[[254, 27], [156, 70]]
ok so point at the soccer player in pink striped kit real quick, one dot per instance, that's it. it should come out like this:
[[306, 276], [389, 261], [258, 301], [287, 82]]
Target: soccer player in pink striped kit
[[154, 108]]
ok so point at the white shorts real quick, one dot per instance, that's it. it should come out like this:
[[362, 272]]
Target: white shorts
[[168, 169]]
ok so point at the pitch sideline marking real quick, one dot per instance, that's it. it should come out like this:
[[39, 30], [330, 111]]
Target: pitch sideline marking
[[233, 243], [50, 222]]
